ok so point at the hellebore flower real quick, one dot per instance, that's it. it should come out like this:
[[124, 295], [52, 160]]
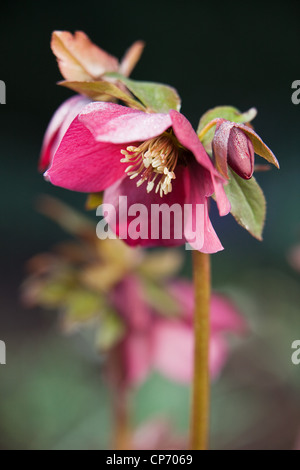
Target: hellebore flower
[[167, 344], [234, 144], [150, 158]]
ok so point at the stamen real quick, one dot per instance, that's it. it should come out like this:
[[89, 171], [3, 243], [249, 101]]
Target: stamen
[[153, 158]]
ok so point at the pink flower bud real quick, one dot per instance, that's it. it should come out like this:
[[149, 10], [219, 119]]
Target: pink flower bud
[[240, 153], [234, 144]]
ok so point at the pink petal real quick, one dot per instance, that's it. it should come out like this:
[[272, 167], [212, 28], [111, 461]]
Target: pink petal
[[78, 58], [189, 139], [82, 164], [240, 153], [131, 58], [129, 301], [222, 200], [137, 358], [172, 353], [225, 316], [220, 145], [197, 187], [183, 292], [135, 195], [218, 354], [113, 123], [57, 127]]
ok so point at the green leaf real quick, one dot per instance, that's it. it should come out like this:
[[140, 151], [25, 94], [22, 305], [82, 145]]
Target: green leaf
[[82, 306], [53, 293], [248, 204], [69, 219], [223, 112], [260, 147], [100, 90], [161, 265], [156, 97]]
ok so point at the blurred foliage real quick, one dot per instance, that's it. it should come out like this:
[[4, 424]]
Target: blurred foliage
[[52, 395]]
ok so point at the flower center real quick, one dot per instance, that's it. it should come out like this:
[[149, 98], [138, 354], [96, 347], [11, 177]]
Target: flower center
[[153, 161]]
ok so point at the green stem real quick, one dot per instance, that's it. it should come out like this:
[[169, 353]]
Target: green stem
[[199, 430]]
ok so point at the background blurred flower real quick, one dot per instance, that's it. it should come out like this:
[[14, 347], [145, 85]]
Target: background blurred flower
[[177, 362], [294, 257], [130, 299], [165, 344]]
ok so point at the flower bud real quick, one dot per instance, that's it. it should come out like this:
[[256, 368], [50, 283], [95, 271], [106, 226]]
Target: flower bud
[[240, 153]]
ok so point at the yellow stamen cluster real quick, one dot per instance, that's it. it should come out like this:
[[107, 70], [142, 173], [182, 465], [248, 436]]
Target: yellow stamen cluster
[[154, 158]]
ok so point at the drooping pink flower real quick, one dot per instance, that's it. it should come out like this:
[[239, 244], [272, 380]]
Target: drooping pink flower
[[150, 158], [234, 144], [153, 342]]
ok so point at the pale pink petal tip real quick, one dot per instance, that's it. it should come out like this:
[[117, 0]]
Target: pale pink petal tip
[[47, 176]]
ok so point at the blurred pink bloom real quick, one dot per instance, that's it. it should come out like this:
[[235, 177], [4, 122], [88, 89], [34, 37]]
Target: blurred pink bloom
[[234, 144], [108, 146], [166, 344], [294, 257]]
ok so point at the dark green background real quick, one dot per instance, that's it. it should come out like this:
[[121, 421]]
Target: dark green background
[[239, 53]]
